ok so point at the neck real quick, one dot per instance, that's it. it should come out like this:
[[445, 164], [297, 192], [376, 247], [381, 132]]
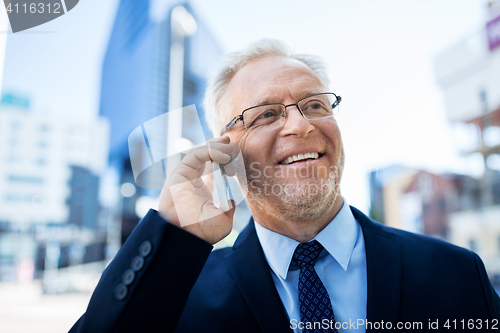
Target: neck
[[300, 230]]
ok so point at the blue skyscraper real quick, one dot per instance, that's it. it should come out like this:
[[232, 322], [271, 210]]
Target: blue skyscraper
[[136, 80]]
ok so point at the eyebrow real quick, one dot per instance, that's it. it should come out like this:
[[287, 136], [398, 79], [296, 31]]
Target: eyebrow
[[266, 100], [269, 100]]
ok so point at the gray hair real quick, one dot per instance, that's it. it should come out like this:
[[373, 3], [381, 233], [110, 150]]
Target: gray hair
[[216, 101]]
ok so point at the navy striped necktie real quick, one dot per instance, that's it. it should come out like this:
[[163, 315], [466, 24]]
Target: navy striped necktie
[[314, 301]]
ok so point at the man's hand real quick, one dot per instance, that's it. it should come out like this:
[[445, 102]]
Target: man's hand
[[187, 200]]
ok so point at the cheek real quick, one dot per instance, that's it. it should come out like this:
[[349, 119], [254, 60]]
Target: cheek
[[252, 146], [332, 131], [239, 138]]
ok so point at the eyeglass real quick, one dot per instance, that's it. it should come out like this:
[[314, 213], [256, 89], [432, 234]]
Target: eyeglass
[[272, 116]]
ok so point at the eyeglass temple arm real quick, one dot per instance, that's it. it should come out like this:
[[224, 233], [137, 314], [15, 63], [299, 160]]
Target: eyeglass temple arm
[[337, 102], [231, 124]]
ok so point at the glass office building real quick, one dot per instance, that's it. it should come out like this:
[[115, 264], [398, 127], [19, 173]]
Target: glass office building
[[136, 80]]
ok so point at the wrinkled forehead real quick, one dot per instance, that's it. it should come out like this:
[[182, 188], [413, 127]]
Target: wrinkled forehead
[[271, 80]]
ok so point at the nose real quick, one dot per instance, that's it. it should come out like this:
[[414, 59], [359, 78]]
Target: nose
[[295, 123]]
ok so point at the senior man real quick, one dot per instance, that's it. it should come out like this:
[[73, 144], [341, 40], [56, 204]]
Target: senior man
[[306, 261]]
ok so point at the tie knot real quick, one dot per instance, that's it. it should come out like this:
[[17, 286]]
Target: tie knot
[[307, 253]]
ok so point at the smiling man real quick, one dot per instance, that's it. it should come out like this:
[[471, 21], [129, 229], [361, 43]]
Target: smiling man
[[307, 261], [293, 197]]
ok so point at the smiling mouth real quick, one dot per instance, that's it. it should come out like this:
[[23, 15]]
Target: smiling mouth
[[300, 158]]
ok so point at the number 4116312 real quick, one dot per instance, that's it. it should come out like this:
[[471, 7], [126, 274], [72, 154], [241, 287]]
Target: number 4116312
[[471, 324], [34, 8]]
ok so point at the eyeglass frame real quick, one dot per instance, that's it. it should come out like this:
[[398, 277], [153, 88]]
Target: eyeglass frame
[[238, 118]]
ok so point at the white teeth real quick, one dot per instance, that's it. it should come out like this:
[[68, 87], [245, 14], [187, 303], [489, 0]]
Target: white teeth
[[299, 157]]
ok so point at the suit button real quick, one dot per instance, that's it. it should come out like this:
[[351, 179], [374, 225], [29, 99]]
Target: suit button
[[145, 248], [121, 292], [137, 263], [128, 277]]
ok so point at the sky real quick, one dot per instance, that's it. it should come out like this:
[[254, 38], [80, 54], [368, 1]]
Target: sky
[[380, 55]]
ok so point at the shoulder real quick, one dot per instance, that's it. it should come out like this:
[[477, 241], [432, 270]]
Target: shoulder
[[434, 253], [427, 246], [214, 294], [216, 260], [216, 271], [436, 277], [419, 250], [407, 240]]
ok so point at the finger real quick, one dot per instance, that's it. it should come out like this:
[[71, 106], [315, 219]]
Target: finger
[[235, 152], [218, 156], [201, 150], [208, 178], [229, 169], [197, 159], [224, 138], [193, 164], [226, 148], [184, 172], [198, 182]]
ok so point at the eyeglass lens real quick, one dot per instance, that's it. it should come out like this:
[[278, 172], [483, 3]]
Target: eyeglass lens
[[273, 115]]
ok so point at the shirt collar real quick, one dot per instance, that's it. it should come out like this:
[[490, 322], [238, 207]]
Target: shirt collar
[[338, 238]]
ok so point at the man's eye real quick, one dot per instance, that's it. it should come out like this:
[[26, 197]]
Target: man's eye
[[315, 106], [267, 114]]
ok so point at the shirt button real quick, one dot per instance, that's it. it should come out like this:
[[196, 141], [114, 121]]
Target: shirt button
[[137, 263], [121, 292], [145, 248], [128, 277]]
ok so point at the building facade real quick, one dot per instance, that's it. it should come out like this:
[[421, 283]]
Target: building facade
[[468, 73], [42, 159], [159, 58], [417, 200]]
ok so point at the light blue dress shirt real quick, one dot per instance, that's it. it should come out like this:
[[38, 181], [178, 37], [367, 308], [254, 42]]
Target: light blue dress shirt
[[341, 266]]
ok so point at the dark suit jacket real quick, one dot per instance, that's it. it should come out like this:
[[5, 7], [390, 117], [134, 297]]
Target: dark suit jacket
[[182, 286]]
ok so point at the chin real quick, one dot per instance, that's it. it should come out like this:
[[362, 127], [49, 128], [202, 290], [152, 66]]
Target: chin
[[296, 200], [309, 201]]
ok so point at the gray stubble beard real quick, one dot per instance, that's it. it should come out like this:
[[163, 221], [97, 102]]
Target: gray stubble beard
[[297, 202]]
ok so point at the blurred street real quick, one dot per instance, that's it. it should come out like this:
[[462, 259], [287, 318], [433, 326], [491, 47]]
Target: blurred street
[[25, 309]]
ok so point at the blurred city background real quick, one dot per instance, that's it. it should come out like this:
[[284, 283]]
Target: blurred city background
[[420, 119]]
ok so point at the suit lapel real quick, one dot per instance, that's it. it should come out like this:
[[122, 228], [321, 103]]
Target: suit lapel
[[252, 274], [383, 266]]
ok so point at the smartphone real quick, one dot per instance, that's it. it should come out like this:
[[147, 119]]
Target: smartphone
[[222, 186]]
